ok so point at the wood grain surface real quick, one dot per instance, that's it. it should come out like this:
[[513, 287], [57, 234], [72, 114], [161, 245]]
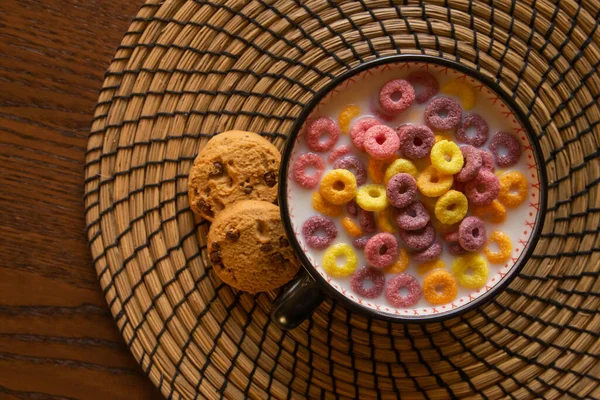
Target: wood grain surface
[[57, 337]]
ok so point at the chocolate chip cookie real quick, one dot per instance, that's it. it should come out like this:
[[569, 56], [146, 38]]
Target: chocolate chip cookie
[[234, 165], [248, 248]]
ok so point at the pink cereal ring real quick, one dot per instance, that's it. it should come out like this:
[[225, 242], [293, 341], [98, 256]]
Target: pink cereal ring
[[381, 142], [300, 166], [472, 165], [413, 217], [338, 152], [420, 239], [375, 275], [431, 253], [367, 220], [323, 126], [403, 280], [315, 224], [381, 250], [358, 130], [482, 130], [430, 85], [437, 108], [484, 189], [354, 165], [401, 190], [471, 234], [511, 145], [416, 140], [396, 96], [453, 245], [487, 160]]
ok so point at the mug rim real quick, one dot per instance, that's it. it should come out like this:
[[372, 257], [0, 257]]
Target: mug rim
[[283, 184]]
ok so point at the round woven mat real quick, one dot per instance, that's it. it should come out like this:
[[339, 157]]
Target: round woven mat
[[189, 69]]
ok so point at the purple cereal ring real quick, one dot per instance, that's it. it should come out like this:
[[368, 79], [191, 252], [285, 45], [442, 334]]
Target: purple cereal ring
[[413, 217], [354, 165], [381, 250], [352, 208], [338, 152], [429, 84], [319, 223], [431, 253], [472, 165], [487, 160], [453, 245], [482, 130], [416, 141], [358, 130], [511, 146], [471, 234], [392, 291], [396, 96], [361, 242], [401, 190], [376, 277], [323, 126], [484, 189], [381, 142], [367, 220], [300, 166], [443, 114], [420, 239]]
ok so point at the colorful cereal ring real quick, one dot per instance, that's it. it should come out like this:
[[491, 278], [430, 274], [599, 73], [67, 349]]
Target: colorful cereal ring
[[338, 186], [331, 255], [477, 265], [439, 287]]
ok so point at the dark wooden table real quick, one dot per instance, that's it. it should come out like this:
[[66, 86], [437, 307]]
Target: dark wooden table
[[57, 337]]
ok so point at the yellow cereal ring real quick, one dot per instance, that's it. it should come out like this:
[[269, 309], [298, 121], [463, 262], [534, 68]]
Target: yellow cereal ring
[[440, 136], [324, 207], [399, 166], [465, 92], [476, 264], [372, 197], [493, 212], [330, 256], [429, 266], [377, 168], [439, 287], [384, 220], [351, 227], [513, 189], [446, 157], [346, 115], [505, 245], [433, 184], [338, 186], [451, 207], [400, 264]]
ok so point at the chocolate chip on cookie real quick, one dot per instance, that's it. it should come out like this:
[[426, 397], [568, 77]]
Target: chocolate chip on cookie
[[233, 166], [253, 262]]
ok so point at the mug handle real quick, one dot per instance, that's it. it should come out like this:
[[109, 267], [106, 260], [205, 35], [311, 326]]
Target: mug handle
[[296, 301]]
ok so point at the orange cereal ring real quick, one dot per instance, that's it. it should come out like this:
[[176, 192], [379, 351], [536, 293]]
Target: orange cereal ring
[[400, 264], [372, 197], [433, 184], [324, 207], [384, 220], [346, 115], [439, 287], [446, 157], [451, 207], [504, 243], [377, 168], [351, 227], [465, 92], [400, 165], [429, 266], [338, 186], [513, 189], [493, 212], [479, 268]]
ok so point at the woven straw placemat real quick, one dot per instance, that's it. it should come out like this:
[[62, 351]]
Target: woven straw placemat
[[189, 69]]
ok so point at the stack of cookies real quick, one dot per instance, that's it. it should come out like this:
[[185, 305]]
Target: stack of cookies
[[233, 184]]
